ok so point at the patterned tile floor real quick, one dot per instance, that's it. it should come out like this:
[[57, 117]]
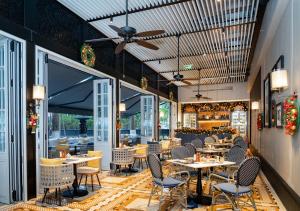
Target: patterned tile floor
[[131, 193]]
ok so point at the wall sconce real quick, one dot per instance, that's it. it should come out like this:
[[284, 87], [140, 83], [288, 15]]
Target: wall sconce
[[255, 105], [279, 79], [279, 75], [38, 92], [122, 107]]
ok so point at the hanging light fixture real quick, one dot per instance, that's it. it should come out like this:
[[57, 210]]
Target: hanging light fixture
[[122, 107], [279, 79], [255, 105]]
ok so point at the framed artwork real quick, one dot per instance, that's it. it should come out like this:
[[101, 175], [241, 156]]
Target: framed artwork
[[267, 102], [279, 115]]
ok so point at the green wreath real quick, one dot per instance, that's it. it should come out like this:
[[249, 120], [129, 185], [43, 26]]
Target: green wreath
[[88, 56]]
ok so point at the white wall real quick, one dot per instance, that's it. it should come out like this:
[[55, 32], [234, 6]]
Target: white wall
[[280, 150], [239, 92]]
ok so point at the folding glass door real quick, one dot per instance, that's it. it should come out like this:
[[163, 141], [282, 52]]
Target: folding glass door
[[147, 118], [103, 120], [11, 149]]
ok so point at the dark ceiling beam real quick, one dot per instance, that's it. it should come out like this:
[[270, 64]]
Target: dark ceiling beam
[[140, 9], [197, 54], [166, 35]]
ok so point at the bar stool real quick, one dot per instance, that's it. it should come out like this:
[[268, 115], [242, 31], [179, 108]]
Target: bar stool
[[141, 154]]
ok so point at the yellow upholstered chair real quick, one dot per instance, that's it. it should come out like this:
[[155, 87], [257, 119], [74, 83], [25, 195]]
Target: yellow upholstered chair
[[92, 169], [141, 154], [166, 148]]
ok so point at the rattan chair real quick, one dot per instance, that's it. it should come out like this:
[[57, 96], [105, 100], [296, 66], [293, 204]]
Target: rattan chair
[[154, 147], [141, 154], [180, 153], [246, 176], [176, 183], [166, 148], [191, 148], [209, 140], [92, 169], [197, 143], [123, 157], [239, 141], [56, 176], [236, 154]]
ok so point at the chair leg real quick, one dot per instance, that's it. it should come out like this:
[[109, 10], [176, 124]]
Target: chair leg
[[59, 197], [250, 196], [98, 180], [152, 191], [86, 178], [92, 182], [45, 193], [80, 180], [161, 197]]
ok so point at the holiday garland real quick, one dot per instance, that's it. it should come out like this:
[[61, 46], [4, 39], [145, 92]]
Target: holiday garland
[[88, 56], [259, 121], [144, 83], [290, 107], [205, 131]]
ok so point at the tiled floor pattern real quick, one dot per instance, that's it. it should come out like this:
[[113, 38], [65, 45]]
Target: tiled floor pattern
[[131, 193]]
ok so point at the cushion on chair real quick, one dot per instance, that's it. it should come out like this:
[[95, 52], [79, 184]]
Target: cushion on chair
[[168, 182], [52, 162], [231, 188], [87, 170]]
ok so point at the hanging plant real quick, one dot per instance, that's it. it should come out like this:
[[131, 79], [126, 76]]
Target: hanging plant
[[259, 122], [290, 107], [144, 83], [88, 56]]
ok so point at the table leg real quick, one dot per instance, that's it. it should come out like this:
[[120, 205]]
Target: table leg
[[77, 192], [201, 199]]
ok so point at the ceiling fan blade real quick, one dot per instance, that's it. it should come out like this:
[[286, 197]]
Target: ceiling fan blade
[[186, 82], [149, 33], [120, 47], [102, 39], [168, 84], [206, 98], [116, 29], [146, 44]]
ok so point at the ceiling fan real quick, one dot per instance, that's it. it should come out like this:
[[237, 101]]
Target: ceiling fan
[[129, 34], [178, 76], [199, 96]]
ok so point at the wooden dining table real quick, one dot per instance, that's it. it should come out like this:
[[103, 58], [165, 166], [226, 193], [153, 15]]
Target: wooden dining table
[[76, 160], [200, 198]]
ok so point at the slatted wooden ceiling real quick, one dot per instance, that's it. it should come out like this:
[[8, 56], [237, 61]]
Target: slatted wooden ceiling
[[216, 35]]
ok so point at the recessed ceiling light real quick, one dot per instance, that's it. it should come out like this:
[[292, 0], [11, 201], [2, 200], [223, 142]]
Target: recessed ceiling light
[[204, 54], [111, 19]]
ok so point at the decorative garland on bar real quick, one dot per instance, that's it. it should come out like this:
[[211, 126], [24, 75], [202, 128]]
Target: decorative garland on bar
[[226, 106], [88, 56], [290, 107], [205, 131]]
